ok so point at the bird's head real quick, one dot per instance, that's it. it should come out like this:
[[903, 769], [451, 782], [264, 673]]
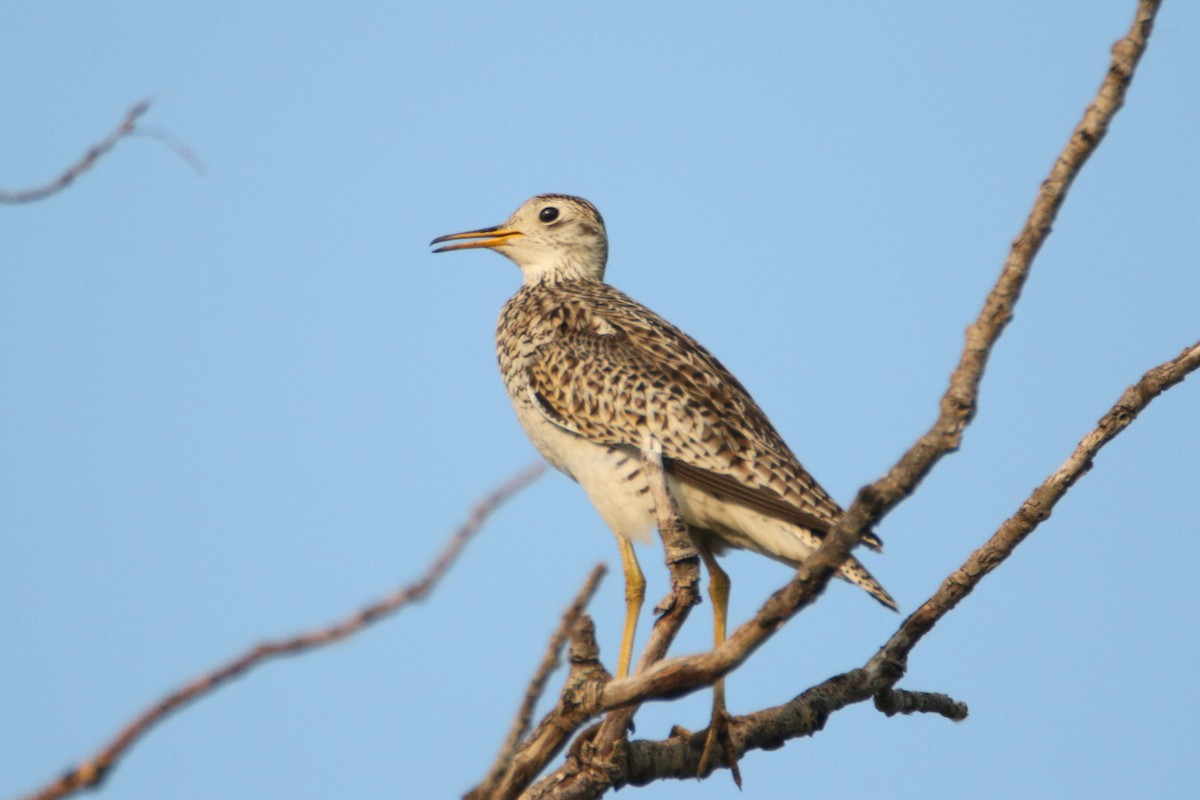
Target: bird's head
[[550, 237]]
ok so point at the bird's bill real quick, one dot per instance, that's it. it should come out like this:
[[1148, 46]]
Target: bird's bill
[[488, 237]]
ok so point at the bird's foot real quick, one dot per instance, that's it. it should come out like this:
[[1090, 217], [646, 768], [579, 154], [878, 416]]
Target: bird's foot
[[719, 736]]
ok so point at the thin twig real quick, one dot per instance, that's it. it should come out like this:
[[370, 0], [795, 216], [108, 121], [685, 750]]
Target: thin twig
[[179, 148], [576, 704], [537, 686], [550, 660], [128, 126], [92, 772], [1035, 509]]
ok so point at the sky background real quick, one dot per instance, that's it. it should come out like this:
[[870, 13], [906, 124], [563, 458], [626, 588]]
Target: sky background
[[241, 404]]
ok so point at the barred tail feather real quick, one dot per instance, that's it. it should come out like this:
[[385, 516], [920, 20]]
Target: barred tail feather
[[856, 573]]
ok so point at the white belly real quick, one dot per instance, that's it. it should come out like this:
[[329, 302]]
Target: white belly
[[614, 480], [612, 476]]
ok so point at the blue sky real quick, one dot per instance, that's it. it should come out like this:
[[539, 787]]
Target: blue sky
[[240, 404]]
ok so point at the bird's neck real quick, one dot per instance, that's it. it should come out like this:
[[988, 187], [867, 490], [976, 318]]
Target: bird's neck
[[561, 270]]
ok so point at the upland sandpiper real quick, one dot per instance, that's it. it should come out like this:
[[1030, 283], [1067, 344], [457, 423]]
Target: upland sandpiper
[[592, 374]]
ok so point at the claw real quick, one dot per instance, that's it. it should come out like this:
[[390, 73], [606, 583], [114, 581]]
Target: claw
[[719, 736]]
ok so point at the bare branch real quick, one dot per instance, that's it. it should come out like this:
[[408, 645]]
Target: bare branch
[[508, 750], [769, 729], [550, 660], [1036, 508], [128, 126], [679, 676], [902, 701], [92, 772], [959, 402], [576, 705]]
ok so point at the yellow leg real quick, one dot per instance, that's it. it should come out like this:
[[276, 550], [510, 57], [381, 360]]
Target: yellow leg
[[718, 592], [635, 593], [718, 730]]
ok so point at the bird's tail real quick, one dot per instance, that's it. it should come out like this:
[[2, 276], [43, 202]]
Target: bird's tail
[[856, 573]]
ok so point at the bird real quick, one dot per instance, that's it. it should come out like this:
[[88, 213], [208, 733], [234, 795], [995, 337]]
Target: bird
[[594, 375]]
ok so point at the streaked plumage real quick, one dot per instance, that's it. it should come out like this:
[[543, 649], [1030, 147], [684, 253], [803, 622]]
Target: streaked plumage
[[596, 377], [591, 372]]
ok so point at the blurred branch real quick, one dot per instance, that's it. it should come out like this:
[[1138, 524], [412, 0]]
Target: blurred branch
[[90, 773], [128, 126]]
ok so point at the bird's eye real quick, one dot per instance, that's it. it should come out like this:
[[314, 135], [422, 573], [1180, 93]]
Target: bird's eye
[[548, 214]]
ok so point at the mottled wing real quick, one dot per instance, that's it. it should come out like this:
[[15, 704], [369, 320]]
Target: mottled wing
[[615, 377], [722, 487]]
